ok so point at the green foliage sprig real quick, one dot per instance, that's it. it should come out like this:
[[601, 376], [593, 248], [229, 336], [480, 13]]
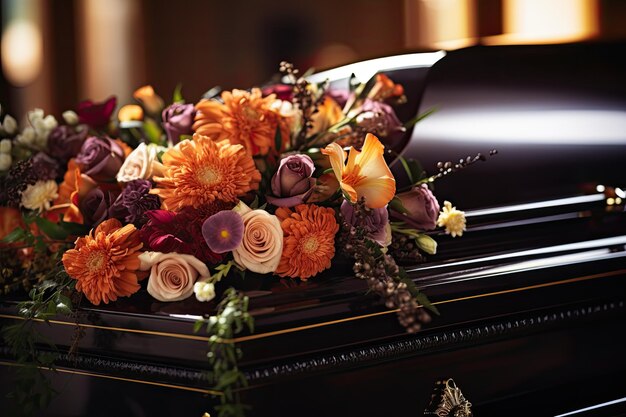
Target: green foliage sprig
[[231, 319], [34, 354]]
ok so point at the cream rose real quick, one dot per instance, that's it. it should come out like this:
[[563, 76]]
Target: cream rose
[[172, 275], [142, 163], [262, 243]]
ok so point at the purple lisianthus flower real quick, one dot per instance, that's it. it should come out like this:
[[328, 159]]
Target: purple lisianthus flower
[[96, 205], [223, 231], [134, 201], [177, 121], [422, 208], [100, 158], [292, 183], [65, 142], [376, 223], [380, 119], [45, 167]]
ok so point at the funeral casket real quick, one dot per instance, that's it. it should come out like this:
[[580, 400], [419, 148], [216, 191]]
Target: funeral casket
[[531, 299]]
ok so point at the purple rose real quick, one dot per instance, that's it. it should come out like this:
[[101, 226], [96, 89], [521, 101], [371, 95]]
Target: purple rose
[[65, 142], [45, 167], [134, 201], [422, 208], [380, 119], [177, 120], [96, 205], [292, 183], [100, 158], [376, 223]]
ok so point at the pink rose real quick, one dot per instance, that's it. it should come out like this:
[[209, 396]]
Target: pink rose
[[262, 245], [172, 275]]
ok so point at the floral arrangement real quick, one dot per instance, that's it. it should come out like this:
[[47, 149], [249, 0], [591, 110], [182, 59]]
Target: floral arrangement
[[278, 180]]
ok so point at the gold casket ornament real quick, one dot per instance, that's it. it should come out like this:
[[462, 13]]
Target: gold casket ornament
[[447, 400]]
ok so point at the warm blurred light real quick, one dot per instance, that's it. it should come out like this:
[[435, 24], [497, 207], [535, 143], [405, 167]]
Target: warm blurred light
[[334, 55], [22, 52], [439, 24], [547, 21], [110, 48]]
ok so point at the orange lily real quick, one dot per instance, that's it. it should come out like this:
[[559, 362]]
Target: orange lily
[[129, 113], [366, 173]]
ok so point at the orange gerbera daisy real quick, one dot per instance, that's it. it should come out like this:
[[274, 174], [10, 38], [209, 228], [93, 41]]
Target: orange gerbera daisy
[[245, 118], [366, 173], [308, 240], [105, 262], [200, 171]]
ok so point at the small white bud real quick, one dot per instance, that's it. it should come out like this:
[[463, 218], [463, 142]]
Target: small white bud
[[5, 146], [9, 125], [50, 122], [5, 161], [40, 126], [205, 291], [36, 114], [70, 117], [28, 136]]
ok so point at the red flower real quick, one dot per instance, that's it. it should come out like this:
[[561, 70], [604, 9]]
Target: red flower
[[167, 231], [96, 115]]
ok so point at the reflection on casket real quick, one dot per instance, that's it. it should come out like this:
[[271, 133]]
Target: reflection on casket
[[531, 299]]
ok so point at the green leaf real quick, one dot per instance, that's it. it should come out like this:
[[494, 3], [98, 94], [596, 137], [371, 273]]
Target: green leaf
[[406, 167], [423, 300], [416, 169], [396, 204], [198, 325], [17, 235], [278, 139], [412, 122], [74, 229], [50, 229], [178, 94], [227, 379], [152, 130], [255, 203]]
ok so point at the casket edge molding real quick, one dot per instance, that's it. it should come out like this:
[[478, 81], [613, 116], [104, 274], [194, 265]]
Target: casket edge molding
[[422, 343], [321, 324]]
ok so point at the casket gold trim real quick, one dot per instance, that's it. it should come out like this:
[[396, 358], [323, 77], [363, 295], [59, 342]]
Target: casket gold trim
[[117, 378], [326, 323]]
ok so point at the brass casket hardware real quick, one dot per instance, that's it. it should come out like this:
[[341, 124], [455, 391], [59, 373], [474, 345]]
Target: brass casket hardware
[[447, 400]]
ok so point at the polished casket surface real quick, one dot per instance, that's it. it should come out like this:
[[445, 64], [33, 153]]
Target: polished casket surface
[[531, 298]]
